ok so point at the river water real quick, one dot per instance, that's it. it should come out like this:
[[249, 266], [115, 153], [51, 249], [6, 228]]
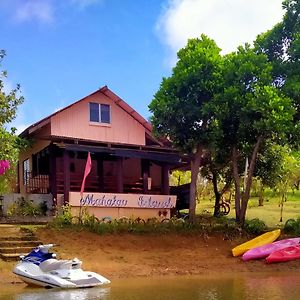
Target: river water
[[241, 286]]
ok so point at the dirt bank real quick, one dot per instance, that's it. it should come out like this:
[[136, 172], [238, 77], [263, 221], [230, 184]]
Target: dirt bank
[[119, 256]]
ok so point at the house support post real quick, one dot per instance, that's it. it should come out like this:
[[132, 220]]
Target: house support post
[[100, 172], [120, 185], [165, 179], [52, 172], [145, 174], [66, 164]]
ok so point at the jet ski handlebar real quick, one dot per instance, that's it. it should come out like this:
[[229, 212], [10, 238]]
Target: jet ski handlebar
[[45, 248]]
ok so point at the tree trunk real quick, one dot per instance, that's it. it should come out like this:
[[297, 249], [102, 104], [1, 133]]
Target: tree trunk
[[246, 195], [237, 187], [195, 165], [217, 195], [261, 195]]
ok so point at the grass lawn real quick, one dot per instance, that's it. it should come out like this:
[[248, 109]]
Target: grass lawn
[[269, 212]]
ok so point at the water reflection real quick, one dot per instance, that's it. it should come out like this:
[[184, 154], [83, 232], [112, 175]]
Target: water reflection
[[273, 286], [76, 294], [245, 286]]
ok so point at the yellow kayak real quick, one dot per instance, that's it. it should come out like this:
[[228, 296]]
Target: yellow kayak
[[261, 240]]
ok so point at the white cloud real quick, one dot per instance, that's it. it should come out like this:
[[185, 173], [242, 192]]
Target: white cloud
[[43, 11], [229, 22], [40, 10]]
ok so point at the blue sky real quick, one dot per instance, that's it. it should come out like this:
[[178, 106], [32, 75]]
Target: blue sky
[[62, 50]]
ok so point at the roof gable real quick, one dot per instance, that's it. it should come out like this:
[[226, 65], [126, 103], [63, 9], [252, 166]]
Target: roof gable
[[105, 91]]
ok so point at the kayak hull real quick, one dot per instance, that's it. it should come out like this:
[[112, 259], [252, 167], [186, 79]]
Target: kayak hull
[[261, 240], [266, 250]]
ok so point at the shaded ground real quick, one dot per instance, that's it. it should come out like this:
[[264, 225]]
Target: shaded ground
[[120, 256]]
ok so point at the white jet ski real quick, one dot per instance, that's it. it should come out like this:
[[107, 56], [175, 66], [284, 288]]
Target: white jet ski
[[40, 267]]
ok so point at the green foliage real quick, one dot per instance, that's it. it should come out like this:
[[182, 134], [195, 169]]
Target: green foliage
[[63, 217], [8, 101], [282, 46], [203, 225], [178, 106], [23, 207], [249, 106], [10, 143], [255, 226], [270, 162], [292, 226], [180, 177]]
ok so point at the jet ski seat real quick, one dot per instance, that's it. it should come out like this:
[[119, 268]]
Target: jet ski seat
[[55, 264]]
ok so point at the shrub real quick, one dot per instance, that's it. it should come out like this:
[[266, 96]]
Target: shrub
[[255, 226], [63, 217], [43, 208], [292, 226], [23, 207]]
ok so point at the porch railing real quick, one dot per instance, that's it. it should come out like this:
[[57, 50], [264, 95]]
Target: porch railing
[[38, 184], [109, 184]]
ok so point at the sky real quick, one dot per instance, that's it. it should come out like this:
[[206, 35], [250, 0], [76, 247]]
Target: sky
[[60, 51]]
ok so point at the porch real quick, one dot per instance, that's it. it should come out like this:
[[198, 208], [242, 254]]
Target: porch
[[58, 169]]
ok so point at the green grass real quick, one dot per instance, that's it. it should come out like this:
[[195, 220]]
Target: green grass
[[269, 212]]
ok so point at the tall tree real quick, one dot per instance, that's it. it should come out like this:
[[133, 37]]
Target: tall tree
[[178, 106], [281, 44], [249, 111], [9, 142]]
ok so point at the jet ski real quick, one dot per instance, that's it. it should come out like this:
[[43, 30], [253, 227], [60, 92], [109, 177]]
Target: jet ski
[[40, 267]]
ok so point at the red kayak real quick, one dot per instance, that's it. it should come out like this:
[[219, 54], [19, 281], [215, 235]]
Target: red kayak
[[285, 254]]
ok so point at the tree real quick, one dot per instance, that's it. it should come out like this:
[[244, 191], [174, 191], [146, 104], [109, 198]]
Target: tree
[[269, 167], [233, 104], [294, 167], [178, 106], [281, 44], [249, 111], [218, 169], [9, 142]]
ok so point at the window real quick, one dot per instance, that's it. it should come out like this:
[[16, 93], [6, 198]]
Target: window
[[99, 113], [26, 171]]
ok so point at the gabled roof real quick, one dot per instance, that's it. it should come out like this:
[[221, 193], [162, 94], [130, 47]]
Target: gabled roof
[[107, 92]]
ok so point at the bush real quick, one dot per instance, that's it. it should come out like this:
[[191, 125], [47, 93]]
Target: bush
[[23, 207], [255, 226], [204, 225], [63, 217], [292, 226]]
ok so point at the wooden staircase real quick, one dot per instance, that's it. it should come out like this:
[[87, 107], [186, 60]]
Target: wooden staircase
[[16, 241]]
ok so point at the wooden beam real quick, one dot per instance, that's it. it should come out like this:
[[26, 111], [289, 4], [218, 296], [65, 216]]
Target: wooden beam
[[66, 167], [120, 183], [52, 171], [145, 167], [100, 173], [165, 179]]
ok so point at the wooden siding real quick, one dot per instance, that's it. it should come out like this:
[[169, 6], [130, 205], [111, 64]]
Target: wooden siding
[[74, 123]]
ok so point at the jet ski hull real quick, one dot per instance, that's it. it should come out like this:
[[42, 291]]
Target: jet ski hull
[[33, 274]]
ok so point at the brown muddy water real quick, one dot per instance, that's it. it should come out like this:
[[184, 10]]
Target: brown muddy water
[[242, 286]]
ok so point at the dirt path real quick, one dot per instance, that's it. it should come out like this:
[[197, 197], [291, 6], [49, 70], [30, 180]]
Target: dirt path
[[120, 256]]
